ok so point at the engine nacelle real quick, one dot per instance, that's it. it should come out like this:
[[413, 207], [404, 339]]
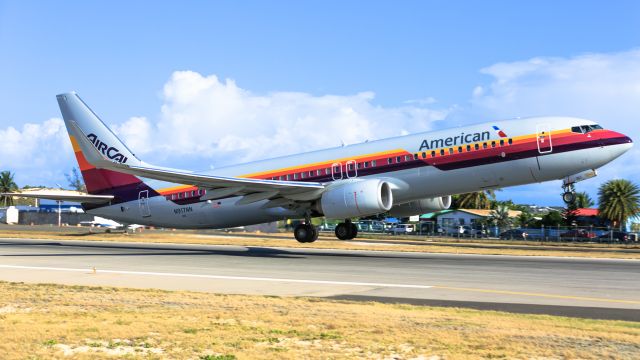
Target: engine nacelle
[[357, 198], [422, 206]]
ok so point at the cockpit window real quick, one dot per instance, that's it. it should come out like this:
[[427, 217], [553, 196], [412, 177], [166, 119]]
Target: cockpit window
[[585, 128]]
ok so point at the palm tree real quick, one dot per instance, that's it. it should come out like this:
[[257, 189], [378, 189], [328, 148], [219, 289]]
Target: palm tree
[[618, 201], [7, 185], [476, 200], [500, 217], [583, 200]]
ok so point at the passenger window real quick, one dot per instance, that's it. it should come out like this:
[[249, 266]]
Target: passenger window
[[390, 161], [493, 144], [459, 149], [193, 193], [302, 175], [510, 141], [442, 152], [415, 156], [424, 155], [359, 165], [350, 166], [407, 158], [373, 163], [450, 151], [295, 176], [288, 176], [311, 173], [433, 154], [476, 146], [327, 171], [318, 172], [484, 145], [365, 164], [398, 159], [501, 142]]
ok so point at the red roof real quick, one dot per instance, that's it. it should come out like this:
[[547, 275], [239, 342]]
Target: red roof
[[586, 212]]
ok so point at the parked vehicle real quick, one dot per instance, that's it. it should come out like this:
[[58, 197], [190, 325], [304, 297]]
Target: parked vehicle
[[327, 227], [578, 234], [370, 226], [519, 234], [620, 236], [403, 229]]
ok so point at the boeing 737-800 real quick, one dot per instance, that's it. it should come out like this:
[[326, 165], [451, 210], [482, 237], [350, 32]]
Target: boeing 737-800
[[402, 176]]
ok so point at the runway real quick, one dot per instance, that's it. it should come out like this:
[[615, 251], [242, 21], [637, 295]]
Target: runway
[[592, 288]]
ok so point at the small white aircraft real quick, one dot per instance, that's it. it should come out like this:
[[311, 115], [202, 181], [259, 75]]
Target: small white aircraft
[[403, 176]]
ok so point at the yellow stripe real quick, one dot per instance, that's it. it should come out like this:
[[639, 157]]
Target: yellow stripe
[[324, 164], [74, 143]]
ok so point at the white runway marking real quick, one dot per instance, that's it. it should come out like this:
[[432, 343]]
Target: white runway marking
[[221, 277]]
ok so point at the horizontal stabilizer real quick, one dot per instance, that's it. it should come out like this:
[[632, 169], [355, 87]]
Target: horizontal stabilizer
[[81, 198]]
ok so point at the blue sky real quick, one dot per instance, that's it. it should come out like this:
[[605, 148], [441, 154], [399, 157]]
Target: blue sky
[[396, 67]]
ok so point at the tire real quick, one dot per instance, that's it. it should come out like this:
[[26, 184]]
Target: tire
[[343, 231], [353, 231], [305, 233], [569, 197]]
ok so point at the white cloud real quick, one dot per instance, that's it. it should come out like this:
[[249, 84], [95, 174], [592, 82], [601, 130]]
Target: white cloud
[[601, 87], [208, 118], [37, 152]]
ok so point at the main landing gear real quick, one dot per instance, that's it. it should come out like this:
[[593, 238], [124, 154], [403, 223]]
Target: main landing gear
[[346, 230], [306, 233], [569, 193]]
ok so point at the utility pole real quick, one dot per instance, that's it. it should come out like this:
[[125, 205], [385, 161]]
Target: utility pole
[[59, 212]]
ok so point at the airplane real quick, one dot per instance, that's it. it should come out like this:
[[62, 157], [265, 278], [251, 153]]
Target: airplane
[[401, 176]]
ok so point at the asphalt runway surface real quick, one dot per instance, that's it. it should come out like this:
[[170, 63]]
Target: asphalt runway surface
[[578, 287]]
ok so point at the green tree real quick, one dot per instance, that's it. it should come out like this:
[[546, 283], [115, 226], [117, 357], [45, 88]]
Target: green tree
[[7, 185], [618, 201], [500, 217], [475, 200], [75, 180], [525, 219], [583, 200], [552, 218]]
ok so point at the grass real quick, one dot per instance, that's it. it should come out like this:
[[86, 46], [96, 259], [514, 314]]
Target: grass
[[374, 242], [76, 322]]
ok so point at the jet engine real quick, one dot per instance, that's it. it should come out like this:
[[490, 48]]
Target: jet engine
[[357, 198], [422, 206]]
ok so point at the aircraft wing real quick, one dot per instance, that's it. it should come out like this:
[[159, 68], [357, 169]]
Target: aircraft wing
[[222, 186], [82, 198]]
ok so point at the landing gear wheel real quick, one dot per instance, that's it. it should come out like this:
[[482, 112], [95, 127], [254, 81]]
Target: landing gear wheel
[[346, 231], [305, 233], [569, 197], [343, 231], [354, 230]]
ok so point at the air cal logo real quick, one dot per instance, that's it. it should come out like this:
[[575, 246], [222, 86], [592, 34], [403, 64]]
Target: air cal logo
[[108, 151]]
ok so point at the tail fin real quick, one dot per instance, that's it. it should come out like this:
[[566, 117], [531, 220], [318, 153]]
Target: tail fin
[[99, 181]]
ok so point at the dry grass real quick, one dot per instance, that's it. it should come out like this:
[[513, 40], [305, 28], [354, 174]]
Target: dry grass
[[49, 321], [328, 242]]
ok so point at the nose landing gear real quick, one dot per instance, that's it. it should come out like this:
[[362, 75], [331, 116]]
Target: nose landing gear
[[569, 194]]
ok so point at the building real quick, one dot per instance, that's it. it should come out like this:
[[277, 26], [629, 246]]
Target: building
[[450, 220]]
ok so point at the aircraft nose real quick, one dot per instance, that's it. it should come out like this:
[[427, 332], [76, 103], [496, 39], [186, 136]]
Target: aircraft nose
[[622, 144]]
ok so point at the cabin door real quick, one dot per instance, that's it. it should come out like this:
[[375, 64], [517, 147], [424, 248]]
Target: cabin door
[[543, 136], [143, 203]]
